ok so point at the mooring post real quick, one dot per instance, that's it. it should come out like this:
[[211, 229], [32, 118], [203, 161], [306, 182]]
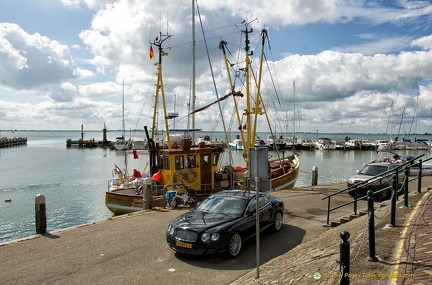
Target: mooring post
[[314, 175], [371, 212], [393, 203], [420, 174], [41, 223], [147, 193], [344, 257], [407, 170]]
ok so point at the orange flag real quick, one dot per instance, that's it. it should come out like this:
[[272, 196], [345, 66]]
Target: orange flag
[[152, 53]]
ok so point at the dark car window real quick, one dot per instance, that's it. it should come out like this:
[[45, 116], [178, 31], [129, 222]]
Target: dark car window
[[227, 205], [263, 200], [373, 170]]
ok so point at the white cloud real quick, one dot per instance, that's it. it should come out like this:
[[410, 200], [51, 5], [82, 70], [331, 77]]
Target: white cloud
[[31, 61], [339, 87], [424, 42]]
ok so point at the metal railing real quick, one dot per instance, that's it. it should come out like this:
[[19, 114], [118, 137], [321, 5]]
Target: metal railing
[[378, 178]]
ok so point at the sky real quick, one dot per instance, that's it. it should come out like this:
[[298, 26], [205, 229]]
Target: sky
[[344, 66]]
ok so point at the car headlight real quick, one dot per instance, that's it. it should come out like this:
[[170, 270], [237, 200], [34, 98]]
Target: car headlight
[[215, 237], [171, 229], [375, 182], [206, 237]]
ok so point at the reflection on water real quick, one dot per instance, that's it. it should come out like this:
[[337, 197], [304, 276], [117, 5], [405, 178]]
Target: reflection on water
[[74, 180]]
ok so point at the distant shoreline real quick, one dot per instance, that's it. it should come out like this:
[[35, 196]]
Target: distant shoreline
[[203, 131]]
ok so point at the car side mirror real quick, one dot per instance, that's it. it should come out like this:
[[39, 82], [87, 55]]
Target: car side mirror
[[251, 211], [357, 171]]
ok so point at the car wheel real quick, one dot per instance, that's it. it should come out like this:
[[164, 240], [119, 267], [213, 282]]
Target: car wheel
[[277, 222], [234, 245]]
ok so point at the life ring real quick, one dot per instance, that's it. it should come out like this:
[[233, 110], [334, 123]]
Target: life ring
[[191, 175], [179, 176]]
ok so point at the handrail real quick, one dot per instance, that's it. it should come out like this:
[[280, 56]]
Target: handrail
[[378, 177]]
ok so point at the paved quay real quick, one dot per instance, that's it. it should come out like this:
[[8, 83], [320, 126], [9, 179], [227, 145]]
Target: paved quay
[[131, 249], [404, 252]]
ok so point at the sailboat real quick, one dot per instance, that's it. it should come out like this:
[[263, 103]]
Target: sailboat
[[283, 170], [121, 143]]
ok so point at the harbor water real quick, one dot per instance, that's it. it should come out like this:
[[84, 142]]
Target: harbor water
[[74, 180]]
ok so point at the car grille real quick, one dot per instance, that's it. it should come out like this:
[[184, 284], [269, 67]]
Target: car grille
[[185, 235]]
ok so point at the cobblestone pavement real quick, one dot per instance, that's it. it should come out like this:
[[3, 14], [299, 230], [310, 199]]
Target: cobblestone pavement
[[406, 260], [416, 252]]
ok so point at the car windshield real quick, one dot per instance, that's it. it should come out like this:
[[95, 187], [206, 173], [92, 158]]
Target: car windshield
[[227, 205], [373, 170]]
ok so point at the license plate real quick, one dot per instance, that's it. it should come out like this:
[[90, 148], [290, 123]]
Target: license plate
[[184, 244]]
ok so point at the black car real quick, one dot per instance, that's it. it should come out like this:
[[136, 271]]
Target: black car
[[222, 222]]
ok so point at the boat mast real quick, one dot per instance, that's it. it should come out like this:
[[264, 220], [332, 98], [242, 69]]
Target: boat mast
[[222, 45], [247, 71], [193, 69], [123, 120], [160, 88]]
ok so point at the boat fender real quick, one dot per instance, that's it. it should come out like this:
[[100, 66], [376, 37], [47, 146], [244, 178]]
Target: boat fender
[[157, 176], [191, 175], [179, 176]]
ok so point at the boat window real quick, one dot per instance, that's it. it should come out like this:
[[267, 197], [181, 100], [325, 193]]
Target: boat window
[[179, 162], [215, 159], [191, 161], [206, 160], [166, 163]]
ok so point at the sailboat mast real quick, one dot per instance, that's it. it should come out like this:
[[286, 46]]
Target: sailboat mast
[[193, 69], [123, 120]]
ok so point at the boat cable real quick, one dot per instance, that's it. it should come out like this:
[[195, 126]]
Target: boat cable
[[213, 77]]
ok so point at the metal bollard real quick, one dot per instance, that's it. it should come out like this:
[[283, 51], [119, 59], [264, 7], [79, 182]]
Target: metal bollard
[[41, 223], [314, 175], [407, 170], [344, 257], [371, 211], [393, 203], [420, 174]]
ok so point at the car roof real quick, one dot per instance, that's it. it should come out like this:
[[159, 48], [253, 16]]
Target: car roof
[[237, 193], [386, 164]]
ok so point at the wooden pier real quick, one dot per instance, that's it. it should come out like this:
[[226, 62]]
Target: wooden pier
[[89, 143], [5, 142]]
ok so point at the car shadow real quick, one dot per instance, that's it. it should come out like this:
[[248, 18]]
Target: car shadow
[[271, 246]]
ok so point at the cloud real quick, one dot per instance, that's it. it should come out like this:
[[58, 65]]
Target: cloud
[[31, 61], [92, 4], [424, 42], [331, 76]]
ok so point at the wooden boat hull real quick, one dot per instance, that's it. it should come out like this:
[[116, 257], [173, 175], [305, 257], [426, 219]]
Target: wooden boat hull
[[123, 201], [280, 180]]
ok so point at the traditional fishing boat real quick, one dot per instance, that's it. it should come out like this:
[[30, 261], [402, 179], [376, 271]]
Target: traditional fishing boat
[[181, 172], [177, 167], [282, 170]]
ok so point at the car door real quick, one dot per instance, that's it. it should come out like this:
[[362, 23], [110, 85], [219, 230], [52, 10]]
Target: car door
[[265, 209], [250, 216]]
